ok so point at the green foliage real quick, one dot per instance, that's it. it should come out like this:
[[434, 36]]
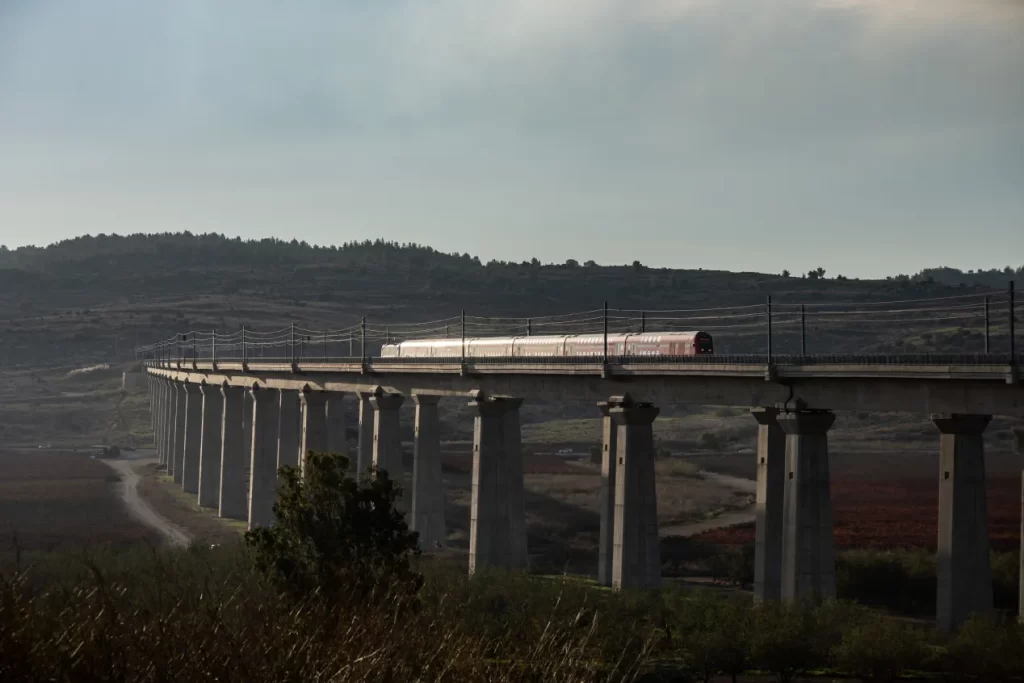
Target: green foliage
[[791, 639], [335, 535], [904, 580], [986, 648], [714, 634], [735, 565], [881, 650]]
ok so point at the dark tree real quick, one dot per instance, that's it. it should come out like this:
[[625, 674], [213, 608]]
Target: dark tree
[[335, 535]]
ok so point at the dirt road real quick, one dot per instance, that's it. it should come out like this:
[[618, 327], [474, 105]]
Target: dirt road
[[141, 510], [726, 519]]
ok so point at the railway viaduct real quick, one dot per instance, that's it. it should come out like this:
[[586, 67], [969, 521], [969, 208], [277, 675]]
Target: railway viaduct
[[217, 421]]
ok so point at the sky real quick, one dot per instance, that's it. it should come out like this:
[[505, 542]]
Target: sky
[[868, 137]]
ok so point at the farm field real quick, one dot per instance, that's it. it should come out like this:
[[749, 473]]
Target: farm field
[[887, 501], [61, 501]]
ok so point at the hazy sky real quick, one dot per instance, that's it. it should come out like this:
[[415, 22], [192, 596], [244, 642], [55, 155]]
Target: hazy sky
[[866, 136]]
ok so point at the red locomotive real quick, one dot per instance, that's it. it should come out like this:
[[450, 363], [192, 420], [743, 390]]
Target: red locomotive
[[560, 346]]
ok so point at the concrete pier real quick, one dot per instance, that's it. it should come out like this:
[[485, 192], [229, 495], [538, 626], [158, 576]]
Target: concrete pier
[[606, 500], [211, 446], [771, 487], [808, 557], [1018, 439], [263, 467], [176, 431], [364, 458], [289, 429], [178, 440], [193, 438], [493, 535], [166, 419], [387, 439], [427, 485], [513, 456], [247, 408], [636, 558], [335, 411], [234, 482], [158, 425], [154, 406], [963, 566], [314, 424]]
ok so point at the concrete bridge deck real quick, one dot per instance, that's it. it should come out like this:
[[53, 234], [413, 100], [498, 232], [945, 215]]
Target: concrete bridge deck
[[974, 388]]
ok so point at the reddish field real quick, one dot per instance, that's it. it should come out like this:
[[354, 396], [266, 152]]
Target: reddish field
[[899, 513], [61, 501], [533, 463]]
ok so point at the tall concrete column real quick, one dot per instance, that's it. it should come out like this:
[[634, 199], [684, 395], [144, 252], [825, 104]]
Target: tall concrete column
[[263, 467], [154, 405], [497, 532], [165, 410], [314, 423], [387, 439], [247, 408], [1018, 435], [808, 557], [606, 501], [174, 467], [211, 446], [427, 485], [513, 456], [193, 438], [365, 457], [151, 393], [289, 429], [488, 520], [963, 567], [234, 481], [636, 559], [771, 487], [158, 424], [335, 409]]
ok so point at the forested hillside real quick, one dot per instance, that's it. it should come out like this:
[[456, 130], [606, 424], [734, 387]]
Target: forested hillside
[[93, 298]]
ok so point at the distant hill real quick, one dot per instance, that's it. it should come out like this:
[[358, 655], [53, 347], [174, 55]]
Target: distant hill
[[91, 299]]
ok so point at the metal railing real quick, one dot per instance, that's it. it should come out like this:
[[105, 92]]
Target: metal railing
[[780, 323]]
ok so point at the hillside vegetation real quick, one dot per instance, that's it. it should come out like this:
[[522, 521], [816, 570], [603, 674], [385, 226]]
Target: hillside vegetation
[[93, 299]]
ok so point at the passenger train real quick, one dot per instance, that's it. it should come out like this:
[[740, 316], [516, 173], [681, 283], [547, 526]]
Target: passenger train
[[561, 346]]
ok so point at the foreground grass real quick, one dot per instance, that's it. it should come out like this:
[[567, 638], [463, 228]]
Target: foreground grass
[[206, 615]]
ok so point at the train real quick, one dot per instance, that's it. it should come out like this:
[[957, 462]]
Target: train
[[556, 346]]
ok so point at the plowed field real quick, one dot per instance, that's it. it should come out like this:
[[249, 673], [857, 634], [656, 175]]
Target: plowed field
[[890, 513]]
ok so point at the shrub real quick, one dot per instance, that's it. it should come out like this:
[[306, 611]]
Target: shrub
[[735, 565], [902, 580], [790, 639], [985, 648], [714, 635], [335, 535], [880, 650], [783, 640]]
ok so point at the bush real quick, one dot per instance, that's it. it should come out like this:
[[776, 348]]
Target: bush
[[783, 640], [904, 580], [880, 650], [714, 635], [901, 580], [735, 565], [334, 535], [985, 648], [791, 639]]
